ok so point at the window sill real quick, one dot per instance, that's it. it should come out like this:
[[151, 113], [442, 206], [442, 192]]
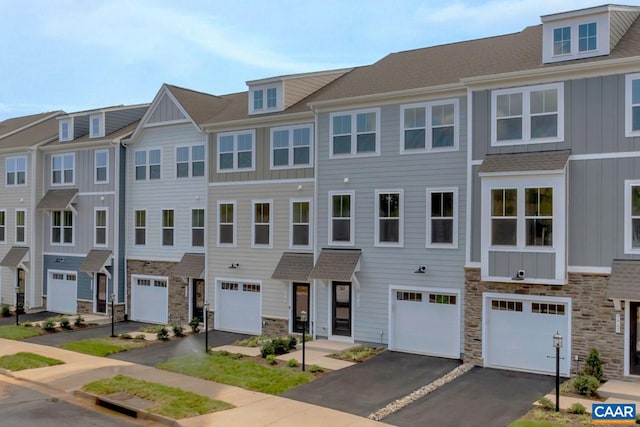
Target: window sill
[[441, 246], [409, 151], [352, 156], [541, 249]]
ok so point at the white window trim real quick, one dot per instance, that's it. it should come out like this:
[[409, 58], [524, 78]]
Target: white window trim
[[352, 218], [291, 147], [95, 167], [456, 215], [203, 228], [73, 175], [376, 225], [628, 227], [145, 228], [62, 227], [23, 226], [6, 171], [69, 122], [572, 39], [147, 165], [526, 115], [253, 223], [629, 132], [354, 133], [106, 228], [4, 211], [578, 37], [235, 224], [235, 135], [428, 127], [300, 200], [278, 86], [189, 161], [101, 130], [162, 227]]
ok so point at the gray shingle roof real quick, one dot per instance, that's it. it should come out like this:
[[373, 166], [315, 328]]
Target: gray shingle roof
[[35, 134], [293, 266], [95, 260], [14, 256], [336, 264], [191, 265], [523, 162], [624, 282], [57, 199]]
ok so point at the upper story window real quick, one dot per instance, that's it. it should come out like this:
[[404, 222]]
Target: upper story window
[[140, 234], [442, 218], [632, 217], [62, 168], [96, 125], [226, 223], [65, 129], [262, 224], [587, 37], [100, 222], [264, 99], [21, 224], [16, 171], [300, 233], [148, 164], [236, 151], [533, 114], [389, 223], [197, 227], [429, 126], [355, 133], [341, 227], [62, 227], [272, 97], [504, 216], [190, 161], [562, 41], [291, 147], [167, 227], [102, 166], [3, 226], [538, 214], [632, 105], [258, 101]]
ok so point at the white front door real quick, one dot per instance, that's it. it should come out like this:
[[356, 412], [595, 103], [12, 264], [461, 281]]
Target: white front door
[[150, 299], [62, 290], [238, 307]]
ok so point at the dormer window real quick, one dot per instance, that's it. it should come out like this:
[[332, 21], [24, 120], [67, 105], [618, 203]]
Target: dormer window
[[587, 37], [257, 99], [96, 125], [65, 130], [272, 97], [266, 98], [562, 41]]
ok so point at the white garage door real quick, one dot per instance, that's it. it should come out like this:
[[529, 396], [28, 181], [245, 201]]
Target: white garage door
[[520, 333], [426, 322], [62, 291], [150, 300], [238, 307]]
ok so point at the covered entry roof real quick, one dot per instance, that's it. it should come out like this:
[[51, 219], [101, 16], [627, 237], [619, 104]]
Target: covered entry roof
[[15, 255], [624, 282], [337, 264], [191, 265], [95, 261], [294, 266], [58, 199], [525, 162]]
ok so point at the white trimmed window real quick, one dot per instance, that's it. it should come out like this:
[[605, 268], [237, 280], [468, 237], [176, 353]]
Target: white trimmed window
[[504, 217], [100, 227], [148, 164], [65, 129], [632, 105], [442, 218], [102, 166], [167, 227], [236, 151], [96, 125], [61, 227], [587, 37], [16, 171], [21, 224], [226, 223], [291, 147], [264, 99], [632, 217], [190, 161], [430, 126], [197, 227], [533, 114], [341, 221], [538, 216], [262, 223], [388, 216], [140, 238], [62, 168], [355, 133], [561, 41], [3, 226], [300, 233]]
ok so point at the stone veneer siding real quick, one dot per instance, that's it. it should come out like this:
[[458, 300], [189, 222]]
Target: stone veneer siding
[[178, 298], [272, 326], [593, 318], [84, 307]]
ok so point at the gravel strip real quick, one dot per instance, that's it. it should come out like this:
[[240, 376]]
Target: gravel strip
[[392, 407]]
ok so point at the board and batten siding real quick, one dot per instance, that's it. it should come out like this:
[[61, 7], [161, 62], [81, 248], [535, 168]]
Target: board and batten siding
[[84, 170], [381, 267], [256, 264]]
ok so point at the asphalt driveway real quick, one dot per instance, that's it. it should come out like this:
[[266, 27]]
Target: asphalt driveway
[[29, 317], [101, 331]]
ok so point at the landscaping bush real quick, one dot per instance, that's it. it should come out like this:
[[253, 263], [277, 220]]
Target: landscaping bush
[[267, 349], [79, 321], [315, 368], [64, 323], [292, 363], [271, 359], [577, 408], [586, 384], [27, 324], [5, 310], [546, 404], [293, 341], [163, 334], [593, 365], [125, 336], [49, 324], [195, 325], [20, 308], [276, 346], [178, 330], [141, 337]]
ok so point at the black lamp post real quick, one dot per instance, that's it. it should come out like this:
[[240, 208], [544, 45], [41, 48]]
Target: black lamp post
[[557, 343], [113, 315], [206, 327], [303, 319], [17, 305]]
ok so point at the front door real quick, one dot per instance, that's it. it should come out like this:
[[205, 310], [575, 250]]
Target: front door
[[197, 305], [341, 312], [634, 345], [300, 304], [20, 284], [101, 293]]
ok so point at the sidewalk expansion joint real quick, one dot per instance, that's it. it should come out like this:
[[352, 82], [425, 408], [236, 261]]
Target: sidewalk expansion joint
[[405, 401]]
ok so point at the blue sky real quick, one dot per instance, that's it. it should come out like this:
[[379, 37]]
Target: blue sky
[[76, 54]]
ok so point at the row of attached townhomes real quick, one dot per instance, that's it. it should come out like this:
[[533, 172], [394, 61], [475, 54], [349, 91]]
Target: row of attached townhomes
[[466, 201]]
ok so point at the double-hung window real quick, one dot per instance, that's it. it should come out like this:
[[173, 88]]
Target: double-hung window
[[236, 151], [355, 133], [272, 97], [62, 227], [632, 216], [389, 221], [291, 147], [538, 213], [16, 171], [148, 164], [226, 223], [262, 223], [504, 216], [100, 236], [101, 164], [527, 115], [62, 168], [587, 37], [140, 234], [258, 101], [3, 226], [190, 161], [429, 126], [197, 227], [632, 105], [96, 125], [21, 235], [300, 223], [341, 227], [442, 219], [263, 100], [561, 41], [167, 227], [66, 129]]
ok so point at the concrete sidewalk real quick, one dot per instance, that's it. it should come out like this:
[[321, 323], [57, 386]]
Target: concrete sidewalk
[[252, 408]]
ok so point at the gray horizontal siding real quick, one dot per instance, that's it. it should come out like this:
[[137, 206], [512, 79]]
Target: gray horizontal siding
[[118, 119]]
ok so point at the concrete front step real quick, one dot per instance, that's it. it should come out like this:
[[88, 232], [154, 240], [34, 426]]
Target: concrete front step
[[623, 390], [327, 346]]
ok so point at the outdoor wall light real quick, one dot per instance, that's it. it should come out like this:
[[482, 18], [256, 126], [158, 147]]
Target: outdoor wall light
[[234, 265], [519, 275], [59, 259], [421, 269]]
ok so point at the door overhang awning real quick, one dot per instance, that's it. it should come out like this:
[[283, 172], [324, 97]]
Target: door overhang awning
[[545, 162], [337, 264], [15, 258], [191, 265], [624, 282], [55, 200], [96, 261], [295, 267]]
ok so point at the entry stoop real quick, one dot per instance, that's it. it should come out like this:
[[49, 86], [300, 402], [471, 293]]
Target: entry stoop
[[620, 390], [327, 346]]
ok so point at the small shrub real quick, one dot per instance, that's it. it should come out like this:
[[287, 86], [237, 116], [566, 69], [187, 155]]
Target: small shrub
[[292, 363], [586, 384], [64, 323], [20, 308], [271, 359], [163, 334], [315, 368], [141, 337], [280, 345], [195, 325], [267, 349], [27, 324], [125, 336], [49, 324], [577, 408], [5, 310], [546, 403], [178, 330], [293, 341], [79, 320], [593, 364]]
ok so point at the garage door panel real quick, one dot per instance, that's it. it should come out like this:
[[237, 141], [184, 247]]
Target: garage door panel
[[62, 292], [150, 300], [239, 307]]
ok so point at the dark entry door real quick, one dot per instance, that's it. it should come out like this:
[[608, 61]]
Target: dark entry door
[[634, 347], [101, 293], [300, 304], [341, 308], [197, 307], [20, 284]]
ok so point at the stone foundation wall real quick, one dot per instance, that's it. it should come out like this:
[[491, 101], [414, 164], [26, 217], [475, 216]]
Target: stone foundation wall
[[84, 307], [274, 326], [593, 318]]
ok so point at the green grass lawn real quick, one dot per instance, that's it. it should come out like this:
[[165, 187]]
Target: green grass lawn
[[13, 332], [241, 372], [358, 354], [20, 361], [102, 346], [170, 401]]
